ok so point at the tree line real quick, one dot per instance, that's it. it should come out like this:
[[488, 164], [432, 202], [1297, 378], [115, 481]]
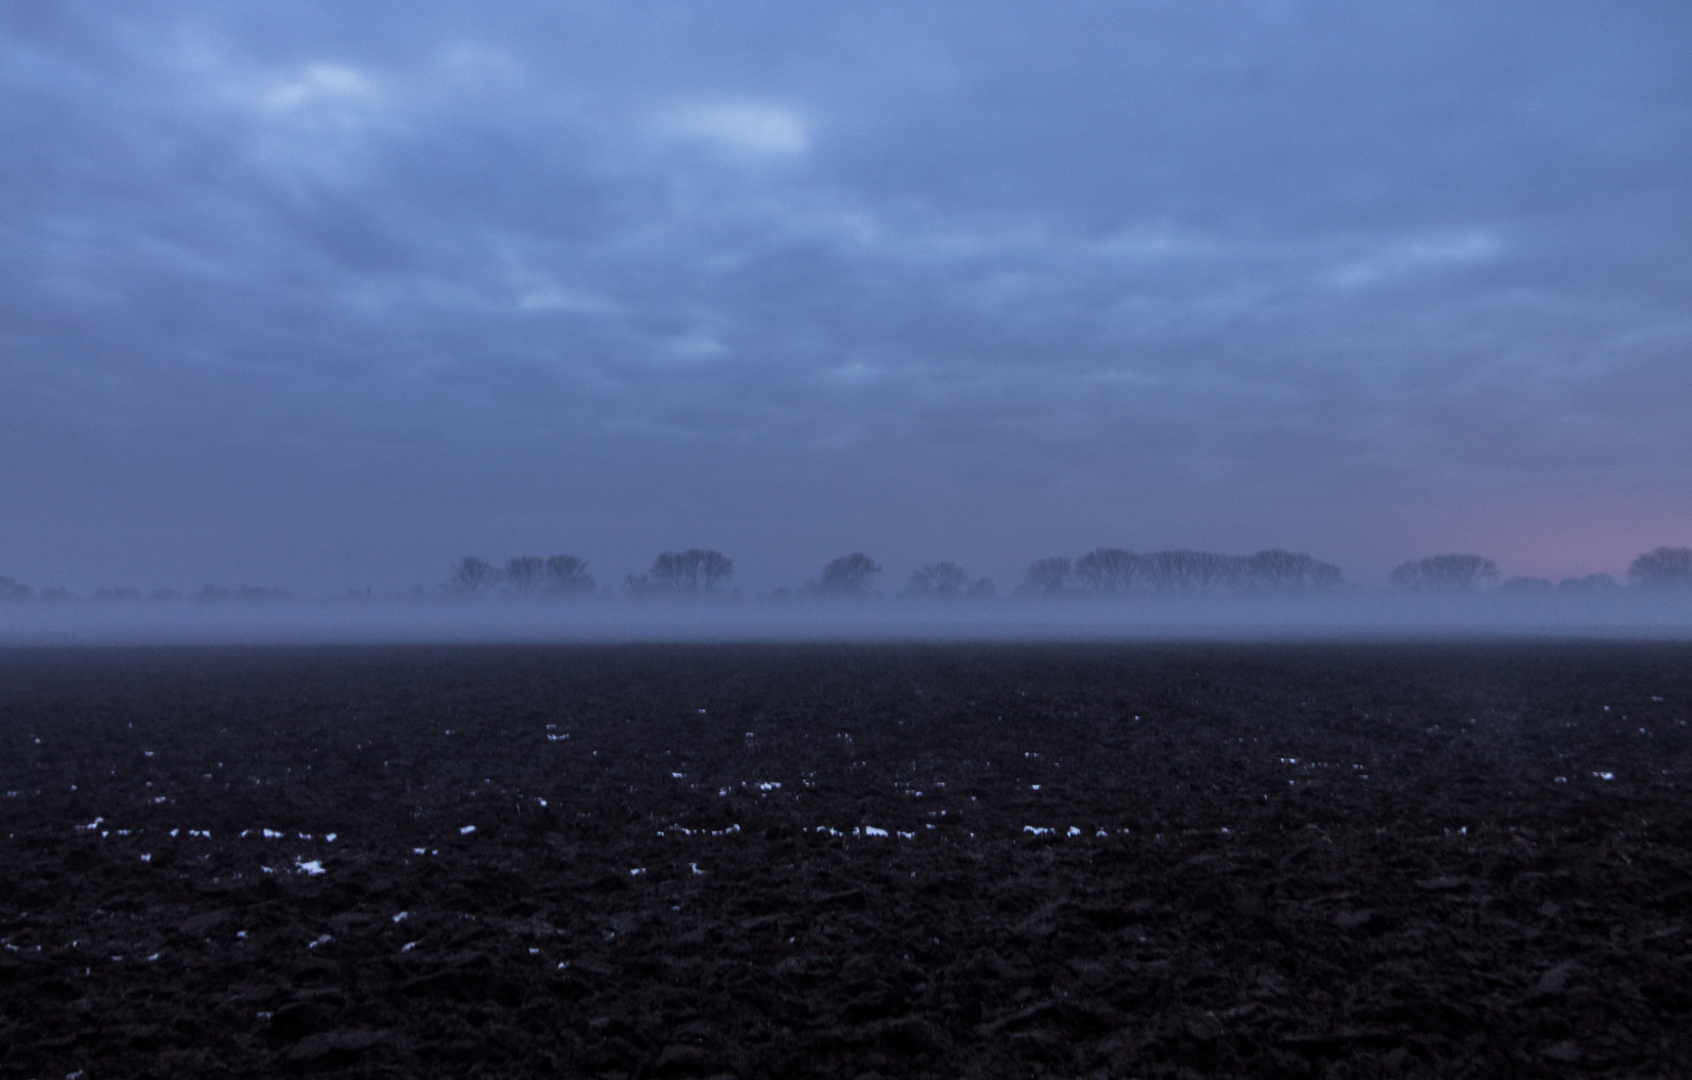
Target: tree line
[[1116, 572], [706, 573], [1103, 571], [1664, 567]]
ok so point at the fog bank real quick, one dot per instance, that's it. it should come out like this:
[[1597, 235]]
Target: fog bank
[[1622, 614]]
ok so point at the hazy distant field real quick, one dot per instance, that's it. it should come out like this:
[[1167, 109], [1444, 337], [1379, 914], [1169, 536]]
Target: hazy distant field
[[1665, 614], [1457, 859]]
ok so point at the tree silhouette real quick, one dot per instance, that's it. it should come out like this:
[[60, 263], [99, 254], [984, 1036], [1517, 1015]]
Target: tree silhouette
[[1047, 576], [848, 576], [567, 575], [1666, 566], [685, 573], [1107, 570], [525, 573], [1288, 571], [714, 568], [1206, 570], [672, 572], [472, 576], [941, 579], [1444, 573]]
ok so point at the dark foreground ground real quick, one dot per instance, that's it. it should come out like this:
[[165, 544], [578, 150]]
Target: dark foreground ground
[[1265, 861]]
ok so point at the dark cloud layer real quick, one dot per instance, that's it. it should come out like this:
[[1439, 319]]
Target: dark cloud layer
[[327, 295]]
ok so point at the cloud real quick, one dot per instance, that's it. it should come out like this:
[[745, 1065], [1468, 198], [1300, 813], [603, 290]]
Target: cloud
[[758, 129], [1418, 255], [331, 298], [318, 84]]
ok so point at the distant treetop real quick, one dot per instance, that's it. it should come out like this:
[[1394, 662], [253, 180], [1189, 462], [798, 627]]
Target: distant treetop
[[1114, 571], [848, 577], [1444, 574], [1665, 567]]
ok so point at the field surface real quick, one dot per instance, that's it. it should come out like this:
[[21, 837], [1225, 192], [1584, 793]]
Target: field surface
[[1455, 860]]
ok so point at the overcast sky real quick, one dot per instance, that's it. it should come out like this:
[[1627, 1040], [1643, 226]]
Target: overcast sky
[[324, 295]]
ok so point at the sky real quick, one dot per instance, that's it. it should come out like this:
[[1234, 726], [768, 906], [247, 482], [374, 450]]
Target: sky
[[325, 295]]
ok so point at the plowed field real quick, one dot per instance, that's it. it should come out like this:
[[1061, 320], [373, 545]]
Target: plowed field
[[1464, 859]]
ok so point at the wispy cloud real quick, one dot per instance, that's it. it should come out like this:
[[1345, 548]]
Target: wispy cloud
[[760, 129]]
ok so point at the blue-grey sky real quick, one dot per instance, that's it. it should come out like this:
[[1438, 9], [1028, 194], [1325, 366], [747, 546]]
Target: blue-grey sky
[[325, 295]]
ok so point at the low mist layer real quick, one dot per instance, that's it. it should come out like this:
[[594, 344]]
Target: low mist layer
[[1618, 613]]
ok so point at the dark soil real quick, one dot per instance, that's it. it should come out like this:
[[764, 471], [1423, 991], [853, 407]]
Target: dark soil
[[1263, 861]]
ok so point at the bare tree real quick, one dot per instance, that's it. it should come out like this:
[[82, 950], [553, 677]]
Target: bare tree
[[1207, 570], [1444, 573], [1275, 571], [848, 576], [567, 575], [714, 568], [686, 573], [941, 579], [1047, 576], [1288, 571], [674, 572], [1165, 570], [525, 573], [1107, 570], [472, 576], [1325, 575], [1666, 566]]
